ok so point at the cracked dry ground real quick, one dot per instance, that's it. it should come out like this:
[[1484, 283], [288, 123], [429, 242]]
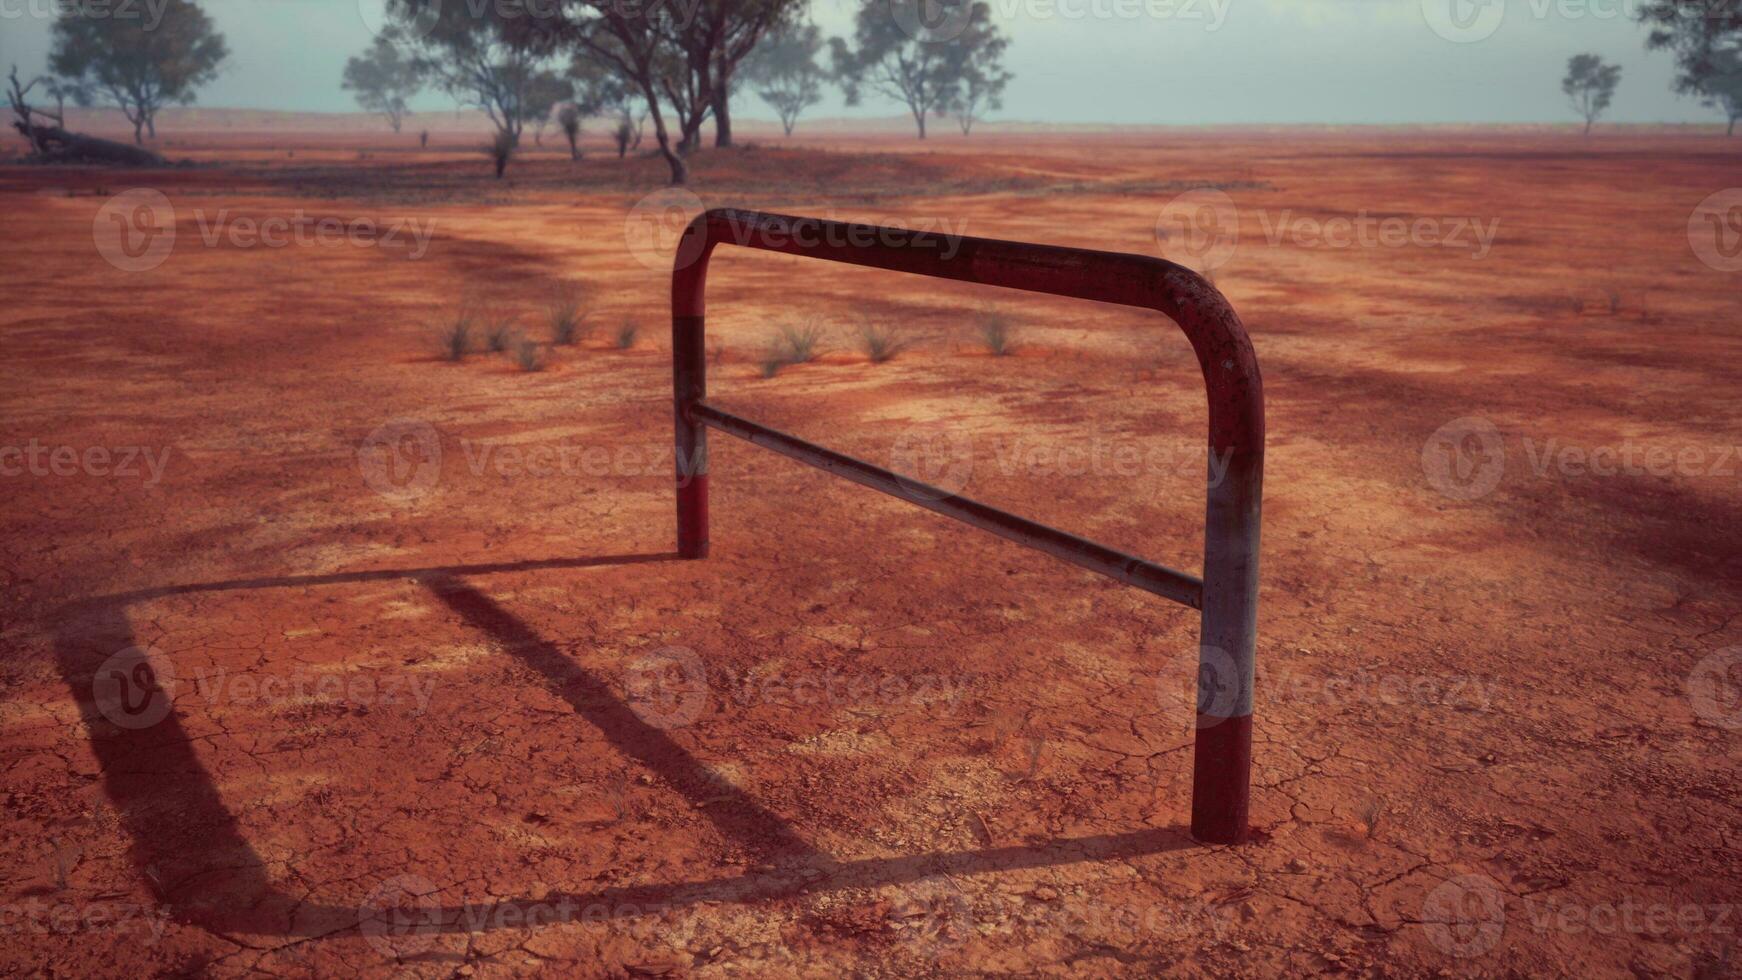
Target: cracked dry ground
[[923, 750]]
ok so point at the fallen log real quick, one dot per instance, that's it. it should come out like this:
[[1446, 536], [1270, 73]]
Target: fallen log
[[56, 145]]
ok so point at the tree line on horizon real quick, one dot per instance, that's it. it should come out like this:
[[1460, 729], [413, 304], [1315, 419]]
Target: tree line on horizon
[[678, 63]]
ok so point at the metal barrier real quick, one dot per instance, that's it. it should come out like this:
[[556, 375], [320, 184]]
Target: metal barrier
[[1227, 594]]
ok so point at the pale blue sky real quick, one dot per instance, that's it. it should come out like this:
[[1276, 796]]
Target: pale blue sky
[[1125, 61]]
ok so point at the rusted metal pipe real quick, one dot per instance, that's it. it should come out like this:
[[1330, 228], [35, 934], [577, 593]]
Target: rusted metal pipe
[[1222, 755], [1129, 569]]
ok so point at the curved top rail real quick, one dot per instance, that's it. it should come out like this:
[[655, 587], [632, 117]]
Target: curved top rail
[[1227, 595], [1230, 368]]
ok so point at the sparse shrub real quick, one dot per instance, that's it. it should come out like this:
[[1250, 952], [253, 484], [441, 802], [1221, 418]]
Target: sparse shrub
[[773, 359], [1614, 300], [568, 316], [1372, 812], [528, 354], [500, 335], [456, 337], [626, 334], [880, 343], [799, 343], [996, 332]]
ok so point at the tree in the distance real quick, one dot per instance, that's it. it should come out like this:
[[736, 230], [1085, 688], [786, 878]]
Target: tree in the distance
[[544, 92], [569, 118], [1721, 88], [1590, 86], [784, 72], [913, 51], [1699, 32], [599, 89], [981, 75], [715, 41], [481, 62], [633, 44], [139, 65], [384, 79]]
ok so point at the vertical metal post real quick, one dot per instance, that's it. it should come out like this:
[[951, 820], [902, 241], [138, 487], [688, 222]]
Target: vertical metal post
[[1222, 753], [689, 385], [689, 381]]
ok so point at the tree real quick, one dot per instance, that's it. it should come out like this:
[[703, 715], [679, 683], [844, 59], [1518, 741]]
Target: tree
[[384, 79], [1722, 87], [600, 90], [716, 40], [49, 140], [1590, 86], [62, 89], [473, 56], [140, 65], [1698, 32], [981, 72], [913, 51], [500, 150], [545, 92], [631, 41], [569, 118], [689, 89], [784, 72]]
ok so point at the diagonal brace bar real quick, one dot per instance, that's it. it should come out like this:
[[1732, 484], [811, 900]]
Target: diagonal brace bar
[[1129, 569]]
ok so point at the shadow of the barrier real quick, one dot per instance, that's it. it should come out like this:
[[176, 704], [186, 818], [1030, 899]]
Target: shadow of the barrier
[[187, 844]]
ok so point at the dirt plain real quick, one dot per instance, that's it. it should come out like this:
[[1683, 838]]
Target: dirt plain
[[410, 608]]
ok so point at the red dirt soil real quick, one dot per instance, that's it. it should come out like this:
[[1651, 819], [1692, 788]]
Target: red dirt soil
[[1497, 732]]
